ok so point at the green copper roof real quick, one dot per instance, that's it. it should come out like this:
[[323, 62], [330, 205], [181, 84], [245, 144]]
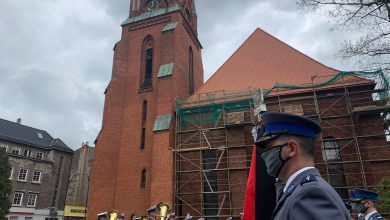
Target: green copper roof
[[170, 26], [166, 70], [162, 122], [151, 14]]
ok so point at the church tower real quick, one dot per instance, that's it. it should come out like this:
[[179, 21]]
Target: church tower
[[157, 60]]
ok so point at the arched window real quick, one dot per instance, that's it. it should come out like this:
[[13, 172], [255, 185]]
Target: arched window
[[147, 63], [144, 111], [330, 149], [143, 178], [335, 170], [143, 125], [143, 135], [191, 71]]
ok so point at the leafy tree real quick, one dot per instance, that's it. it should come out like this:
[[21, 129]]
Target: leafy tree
[[5, 184], [384, 195], [369, 16]]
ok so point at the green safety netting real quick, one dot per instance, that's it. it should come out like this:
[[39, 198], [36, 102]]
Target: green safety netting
[[380, 78], [212, 112], [208, 114]]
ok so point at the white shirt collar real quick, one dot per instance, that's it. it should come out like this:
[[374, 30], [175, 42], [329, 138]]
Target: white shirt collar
[[292, 177], [369, 215]]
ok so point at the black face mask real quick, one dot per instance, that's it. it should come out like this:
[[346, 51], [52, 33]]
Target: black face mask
[[273, 160], [361, 208]]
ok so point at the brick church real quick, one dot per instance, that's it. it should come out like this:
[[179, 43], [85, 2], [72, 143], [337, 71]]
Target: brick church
[[166, 136]]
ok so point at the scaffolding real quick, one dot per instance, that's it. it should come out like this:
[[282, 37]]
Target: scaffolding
[[214, 138]]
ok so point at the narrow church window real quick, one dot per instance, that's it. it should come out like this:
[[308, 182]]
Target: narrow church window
[[142, 144], [146, 77], [191, 71], [143, 179], [149, 63], [143, 128], [144, 111]]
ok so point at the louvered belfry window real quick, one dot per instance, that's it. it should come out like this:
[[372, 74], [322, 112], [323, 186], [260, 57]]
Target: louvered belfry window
[[146, 76]]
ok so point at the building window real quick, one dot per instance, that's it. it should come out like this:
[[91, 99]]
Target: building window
[[32, 200], [4, 147], [147, 63], [143, 179], [13, 218], [143, 135], [330, 149], [143, 128], [144, 111], [295, 109], [27, 218], [11, 173], [15, 151], [191, 71], [37, 175], [39, 155], [335, 170], [18, 198], [22, 175], [27, 153]]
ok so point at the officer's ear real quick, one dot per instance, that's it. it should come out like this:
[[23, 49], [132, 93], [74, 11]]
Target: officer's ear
[[369, 203], [294, 147]]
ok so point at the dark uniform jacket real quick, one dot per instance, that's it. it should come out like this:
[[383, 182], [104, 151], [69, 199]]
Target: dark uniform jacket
[[310, 197]]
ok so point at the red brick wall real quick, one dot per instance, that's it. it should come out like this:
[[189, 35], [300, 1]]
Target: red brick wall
[[119, 161]]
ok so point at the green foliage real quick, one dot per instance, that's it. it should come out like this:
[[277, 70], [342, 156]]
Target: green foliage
[[384, 195], [5, 184]]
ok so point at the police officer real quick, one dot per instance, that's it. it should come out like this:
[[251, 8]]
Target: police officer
[[289, 155], [364, 202]]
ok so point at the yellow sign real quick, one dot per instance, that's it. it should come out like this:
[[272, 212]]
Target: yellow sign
[[75, 211]]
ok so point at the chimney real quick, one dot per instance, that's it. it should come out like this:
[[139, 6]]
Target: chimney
[[19, 121]]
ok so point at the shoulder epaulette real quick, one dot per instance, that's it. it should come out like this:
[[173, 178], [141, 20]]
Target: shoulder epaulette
[[308, 178]]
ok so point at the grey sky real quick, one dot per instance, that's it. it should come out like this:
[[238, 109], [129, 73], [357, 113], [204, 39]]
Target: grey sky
[[56, 55]]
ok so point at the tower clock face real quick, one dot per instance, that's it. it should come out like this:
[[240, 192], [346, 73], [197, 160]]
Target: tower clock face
[[153, 4]]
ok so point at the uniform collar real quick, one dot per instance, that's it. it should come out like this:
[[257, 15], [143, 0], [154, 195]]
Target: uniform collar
[[294, 175], [366, 217]]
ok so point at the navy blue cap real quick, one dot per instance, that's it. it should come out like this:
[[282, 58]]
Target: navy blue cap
[[152, 209], [278, 123], [103, 214], [359, 194]]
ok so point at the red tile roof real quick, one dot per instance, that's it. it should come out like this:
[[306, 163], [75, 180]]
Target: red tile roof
[[262, 61]]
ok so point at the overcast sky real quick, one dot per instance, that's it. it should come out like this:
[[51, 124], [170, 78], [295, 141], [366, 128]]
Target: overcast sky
[[56, 55]]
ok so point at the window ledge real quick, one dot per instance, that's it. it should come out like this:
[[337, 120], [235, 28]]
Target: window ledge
[[145, 89], [23, 181]]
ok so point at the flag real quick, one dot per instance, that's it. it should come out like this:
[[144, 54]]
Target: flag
[[260, 196]]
